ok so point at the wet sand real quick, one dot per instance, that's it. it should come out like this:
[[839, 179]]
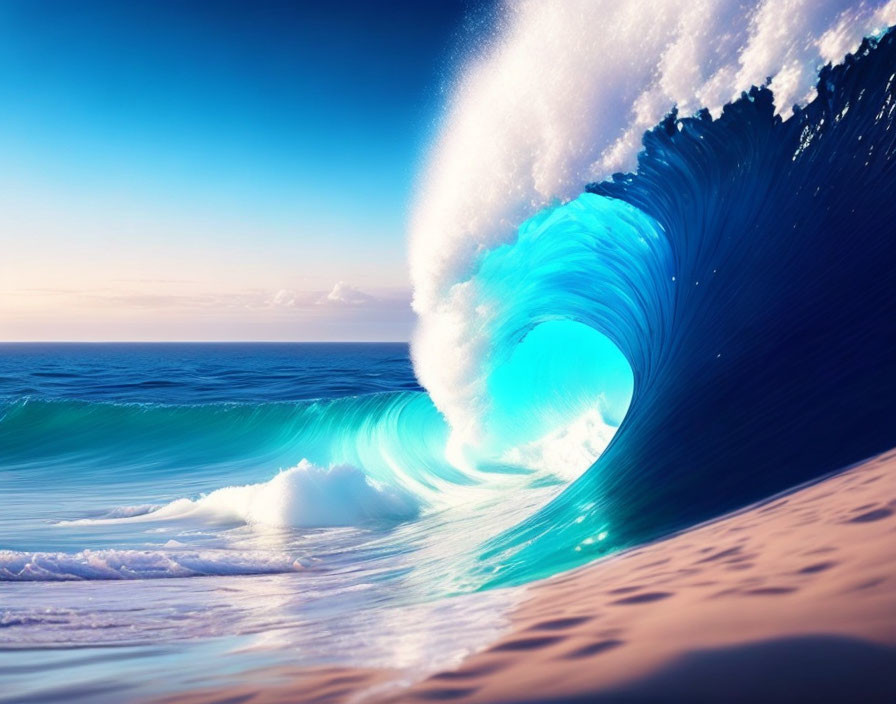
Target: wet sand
[[793, 600]]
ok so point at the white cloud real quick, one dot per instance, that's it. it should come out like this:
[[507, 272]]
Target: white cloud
[[283, 298], [344, 294]]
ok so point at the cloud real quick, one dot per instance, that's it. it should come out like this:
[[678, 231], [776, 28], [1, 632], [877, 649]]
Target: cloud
[[343, 294], [284, 298]]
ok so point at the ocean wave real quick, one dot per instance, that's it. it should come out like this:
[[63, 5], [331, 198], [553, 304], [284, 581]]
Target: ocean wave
[[393, 436], [760, 325], [560, 97]]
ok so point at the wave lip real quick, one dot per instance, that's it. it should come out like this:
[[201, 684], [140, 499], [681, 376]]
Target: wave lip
[[89, 565], [564, 91]]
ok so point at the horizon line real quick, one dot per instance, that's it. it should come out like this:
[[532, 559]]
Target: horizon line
[[203, 342]]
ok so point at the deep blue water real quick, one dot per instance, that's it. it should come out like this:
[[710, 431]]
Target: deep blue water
[[190, 373]]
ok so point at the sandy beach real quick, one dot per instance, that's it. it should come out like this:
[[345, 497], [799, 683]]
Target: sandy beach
[[791, 600]]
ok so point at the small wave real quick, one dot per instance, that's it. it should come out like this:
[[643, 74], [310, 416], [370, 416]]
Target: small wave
[[305, 496]]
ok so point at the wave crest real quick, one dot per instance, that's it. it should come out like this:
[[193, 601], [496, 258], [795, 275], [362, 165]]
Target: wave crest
[[561, 97]]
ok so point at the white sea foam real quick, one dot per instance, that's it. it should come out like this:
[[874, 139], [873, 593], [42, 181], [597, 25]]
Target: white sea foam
[[304, 496], [138, 564], [569, 450], [561, 96]]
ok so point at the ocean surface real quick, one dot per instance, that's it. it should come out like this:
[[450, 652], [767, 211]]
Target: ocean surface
[[103, 592], [657, 349]]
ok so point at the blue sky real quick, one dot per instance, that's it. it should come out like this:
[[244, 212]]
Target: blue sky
[[215, 170]]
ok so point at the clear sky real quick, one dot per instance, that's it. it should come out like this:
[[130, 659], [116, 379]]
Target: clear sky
[[214, 170]]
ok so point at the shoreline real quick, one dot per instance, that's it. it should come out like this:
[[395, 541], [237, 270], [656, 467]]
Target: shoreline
[[789, 600]]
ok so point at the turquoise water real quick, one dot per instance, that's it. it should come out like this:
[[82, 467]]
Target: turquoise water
[[247, 505]]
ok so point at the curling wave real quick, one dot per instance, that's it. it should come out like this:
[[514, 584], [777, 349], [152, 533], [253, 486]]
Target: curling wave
[[742, 270], [760, 327]]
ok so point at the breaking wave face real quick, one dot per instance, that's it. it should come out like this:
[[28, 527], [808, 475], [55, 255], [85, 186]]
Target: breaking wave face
[[602, 367], [744, 271]]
